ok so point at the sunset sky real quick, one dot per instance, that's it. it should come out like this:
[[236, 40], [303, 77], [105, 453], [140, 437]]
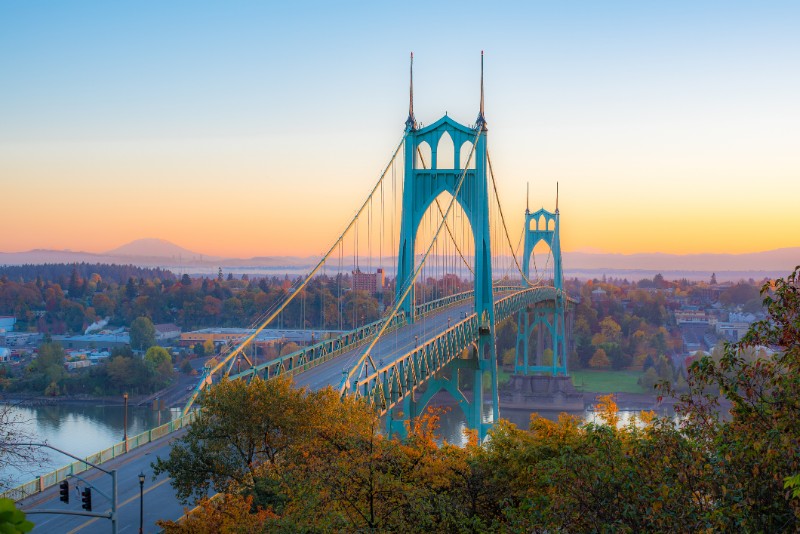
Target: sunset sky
[[247, 129]]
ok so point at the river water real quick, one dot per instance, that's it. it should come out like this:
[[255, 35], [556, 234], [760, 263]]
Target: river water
[[85, 429], [81, 430]]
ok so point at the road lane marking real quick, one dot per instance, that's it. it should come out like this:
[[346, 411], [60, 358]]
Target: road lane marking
[[86, 524]]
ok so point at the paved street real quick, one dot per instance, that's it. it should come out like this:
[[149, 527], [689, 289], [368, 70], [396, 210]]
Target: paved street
[[159, 498]]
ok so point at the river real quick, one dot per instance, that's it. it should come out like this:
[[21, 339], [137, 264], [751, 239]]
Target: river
[[85, 429], [79, 429]]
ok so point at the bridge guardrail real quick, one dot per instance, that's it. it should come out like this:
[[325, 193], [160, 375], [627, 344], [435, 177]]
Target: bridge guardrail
[[385, 387], [52, 478], [323, 351], [41, 483]]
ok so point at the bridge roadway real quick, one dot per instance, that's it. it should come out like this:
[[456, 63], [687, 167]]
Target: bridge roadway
[[159, 499], [390, 347]]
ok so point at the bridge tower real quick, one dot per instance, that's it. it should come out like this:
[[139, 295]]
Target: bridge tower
[[546, 319], [422, 184]]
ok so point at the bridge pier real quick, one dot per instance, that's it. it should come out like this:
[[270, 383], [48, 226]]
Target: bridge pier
[[548, 322], [469, 372], [541, 392]]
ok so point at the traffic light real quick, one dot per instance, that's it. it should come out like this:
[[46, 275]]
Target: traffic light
[[86, 499], [63, 491]]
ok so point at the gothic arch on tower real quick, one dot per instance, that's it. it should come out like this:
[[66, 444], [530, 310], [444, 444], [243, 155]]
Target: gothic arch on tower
[[423, 182]]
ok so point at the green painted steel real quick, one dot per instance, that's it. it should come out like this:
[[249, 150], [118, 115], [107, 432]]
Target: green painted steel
[[322, 351], [547, 317], [395, 385], [52, 478], [421, 187]]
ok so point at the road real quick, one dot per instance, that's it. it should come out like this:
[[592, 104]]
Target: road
[[391, 346], [159, 499]]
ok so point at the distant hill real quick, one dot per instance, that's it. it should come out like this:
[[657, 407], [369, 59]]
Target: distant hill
[[157, 248], [782, 259], [727, 267], [162, 253], [142, 252]]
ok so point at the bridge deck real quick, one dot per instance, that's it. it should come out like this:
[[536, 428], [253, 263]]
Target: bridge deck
[[388, 349], [160, 501]]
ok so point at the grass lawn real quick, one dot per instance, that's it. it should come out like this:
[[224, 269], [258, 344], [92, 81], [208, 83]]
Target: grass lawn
[[607, 381]]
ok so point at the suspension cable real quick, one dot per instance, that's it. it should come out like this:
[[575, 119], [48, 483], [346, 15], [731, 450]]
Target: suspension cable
[[503, 219], [409, 284], [439, 206], [305, 281]]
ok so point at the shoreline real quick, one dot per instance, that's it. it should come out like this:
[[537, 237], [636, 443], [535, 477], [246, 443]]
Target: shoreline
[[28, 400], [625, 401]]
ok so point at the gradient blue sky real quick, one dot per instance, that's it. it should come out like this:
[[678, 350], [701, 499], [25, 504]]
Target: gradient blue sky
[[671, 126]]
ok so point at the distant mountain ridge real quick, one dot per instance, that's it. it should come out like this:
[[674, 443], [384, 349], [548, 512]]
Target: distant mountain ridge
[[153, 252], [778, 259], [155, 248]]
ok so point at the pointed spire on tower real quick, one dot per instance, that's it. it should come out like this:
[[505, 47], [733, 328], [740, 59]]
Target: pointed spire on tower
[[411, 122], [481, 119], [528, 198], [556, 197]]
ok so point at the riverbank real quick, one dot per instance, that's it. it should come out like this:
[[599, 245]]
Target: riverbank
[[625, 400], [28, 400], [632, 401]]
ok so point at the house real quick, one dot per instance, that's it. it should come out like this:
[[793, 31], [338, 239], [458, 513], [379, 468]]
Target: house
[[599, 295], [167, 332]]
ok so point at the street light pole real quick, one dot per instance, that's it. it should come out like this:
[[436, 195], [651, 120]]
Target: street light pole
[[125, 422], [141, 502], [114, 495]]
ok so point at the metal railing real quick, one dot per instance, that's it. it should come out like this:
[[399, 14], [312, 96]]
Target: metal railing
[[334, 348], [323, 351], [41, 483]]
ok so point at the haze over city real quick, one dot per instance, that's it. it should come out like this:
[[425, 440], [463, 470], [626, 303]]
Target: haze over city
[[256, 129], [399, 267]]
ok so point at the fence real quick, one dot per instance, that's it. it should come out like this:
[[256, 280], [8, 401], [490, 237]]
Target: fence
[[52, 478], [48, 480]]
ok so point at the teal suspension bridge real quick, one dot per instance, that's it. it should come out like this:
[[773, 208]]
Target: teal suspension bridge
[[435, 219]]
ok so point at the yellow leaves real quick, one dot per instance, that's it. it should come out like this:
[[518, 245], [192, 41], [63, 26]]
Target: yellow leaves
[[647, 417], [657, 505], [607, 409], [599, 360], [472, 438], [223, 514]]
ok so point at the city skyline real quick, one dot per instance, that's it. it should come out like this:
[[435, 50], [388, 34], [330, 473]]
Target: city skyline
[[668, 128]]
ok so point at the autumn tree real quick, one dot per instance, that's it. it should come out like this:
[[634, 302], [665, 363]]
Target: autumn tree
[[15, 429], [142, 333], [126, 373], [755, 447], [289, 348], [240, 426], [159, 364], [227, 514], [599, 360], [47, 369]]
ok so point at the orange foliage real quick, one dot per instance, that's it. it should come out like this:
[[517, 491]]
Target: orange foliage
[[223, 514]]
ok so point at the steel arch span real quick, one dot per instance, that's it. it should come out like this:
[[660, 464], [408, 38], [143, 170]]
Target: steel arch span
[[402, 385]]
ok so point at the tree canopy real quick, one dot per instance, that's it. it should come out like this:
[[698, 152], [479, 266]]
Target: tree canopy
[[308, 461], [143, 333]]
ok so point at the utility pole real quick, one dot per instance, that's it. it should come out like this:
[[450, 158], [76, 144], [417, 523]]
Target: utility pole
[[113, 497]]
